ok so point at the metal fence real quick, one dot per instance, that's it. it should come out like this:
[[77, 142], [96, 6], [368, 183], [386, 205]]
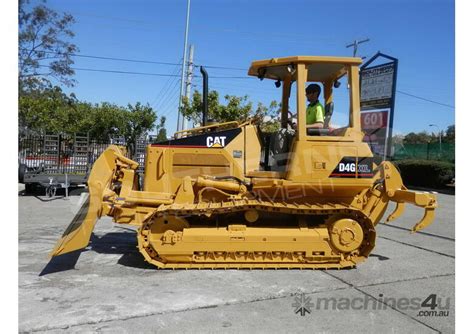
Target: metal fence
[[67, 154], [430, 151]]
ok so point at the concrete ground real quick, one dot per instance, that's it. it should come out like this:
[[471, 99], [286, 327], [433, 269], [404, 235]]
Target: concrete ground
[[109, 288]]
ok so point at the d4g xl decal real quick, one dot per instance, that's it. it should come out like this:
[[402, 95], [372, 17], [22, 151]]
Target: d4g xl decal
[[351, 167]]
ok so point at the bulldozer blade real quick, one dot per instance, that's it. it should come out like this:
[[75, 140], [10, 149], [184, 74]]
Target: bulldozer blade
[[425, 221], [78, 233], [400, 207]]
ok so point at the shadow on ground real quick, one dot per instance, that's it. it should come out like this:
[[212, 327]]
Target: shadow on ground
[[121, 243], [124, 243], [61, 263], [379, 257], [39, 192]]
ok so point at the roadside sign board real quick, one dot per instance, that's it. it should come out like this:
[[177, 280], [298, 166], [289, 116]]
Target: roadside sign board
[[377, 103], [377, 86], [374, 124]]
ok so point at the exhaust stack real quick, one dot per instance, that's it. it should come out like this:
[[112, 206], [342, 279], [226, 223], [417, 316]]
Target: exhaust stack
[[205, 90]]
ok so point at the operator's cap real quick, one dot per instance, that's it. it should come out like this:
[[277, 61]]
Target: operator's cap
[[313, 88]]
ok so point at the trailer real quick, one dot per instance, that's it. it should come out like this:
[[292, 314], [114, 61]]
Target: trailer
[[56, 161]]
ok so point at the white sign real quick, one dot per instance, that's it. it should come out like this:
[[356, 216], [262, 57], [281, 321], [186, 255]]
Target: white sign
[[376, 85]]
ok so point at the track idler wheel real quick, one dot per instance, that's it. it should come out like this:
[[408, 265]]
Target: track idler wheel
[[346, 234], [162, 231]]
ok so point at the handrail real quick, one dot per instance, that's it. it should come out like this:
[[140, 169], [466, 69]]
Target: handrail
[[204, 128]]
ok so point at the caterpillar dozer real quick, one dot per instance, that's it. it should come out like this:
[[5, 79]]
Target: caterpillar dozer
[[211, 199]]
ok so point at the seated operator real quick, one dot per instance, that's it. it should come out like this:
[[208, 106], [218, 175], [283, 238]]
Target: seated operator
[[314, 110]]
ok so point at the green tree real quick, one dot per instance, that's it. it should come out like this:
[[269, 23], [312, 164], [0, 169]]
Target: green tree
[[50, 110], [139, 119], [161, 130], [192, 110], [44, 47], [398, 139], [450, 136], [268, 117], [417, 138], [103, 121], [235, 109]]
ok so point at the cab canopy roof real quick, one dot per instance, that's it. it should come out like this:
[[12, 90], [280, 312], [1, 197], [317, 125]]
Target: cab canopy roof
[[319, 68]]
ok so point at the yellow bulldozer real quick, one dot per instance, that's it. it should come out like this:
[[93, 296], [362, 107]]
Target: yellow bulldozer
[[210, 199]]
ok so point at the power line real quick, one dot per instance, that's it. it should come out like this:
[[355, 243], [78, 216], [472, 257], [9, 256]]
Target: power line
[[173, 102], [424, 99], [223, 67], [213, 77], [103, 57], [226, 77], [123, 59], [168, 95], [259, 90], [144, 73], [143, 61], [166, 86], [118, 72]]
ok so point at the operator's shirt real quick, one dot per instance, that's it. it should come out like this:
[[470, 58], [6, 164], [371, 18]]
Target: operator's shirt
[[315, 113]]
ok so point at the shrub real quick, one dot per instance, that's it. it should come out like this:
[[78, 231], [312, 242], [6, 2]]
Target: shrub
[[426, 173]]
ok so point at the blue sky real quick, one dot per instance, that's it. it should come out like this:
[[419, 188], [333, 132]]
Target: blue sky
[[420, 33]]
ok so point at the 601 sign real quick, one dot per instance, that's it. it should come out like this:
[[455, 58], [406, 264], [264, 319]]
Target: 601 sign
[[374, 120]]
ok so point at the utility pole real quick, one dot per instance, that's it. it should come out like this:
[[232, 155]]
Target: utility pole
[[189, 79], [355, 44], [180, 116]]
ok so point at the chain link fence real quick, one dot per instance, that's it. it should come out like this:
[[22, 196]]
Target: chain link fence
[[429, 151]]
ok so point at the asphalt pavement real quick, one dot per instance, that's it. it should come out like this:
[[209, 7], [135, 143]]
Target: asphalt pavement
[[406, 285]]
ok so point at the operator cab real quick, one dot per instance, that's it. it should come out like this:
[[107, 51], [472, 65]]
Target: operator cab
[[339, 82]]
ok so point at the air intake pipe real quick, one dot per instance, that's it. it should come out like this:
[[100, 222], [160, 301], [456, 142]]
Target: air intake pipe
[[205, 90]]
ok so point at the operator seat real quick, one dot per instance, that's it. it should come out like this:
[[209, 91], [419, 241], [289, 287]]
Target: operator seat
[[280, 145], [328, 109]]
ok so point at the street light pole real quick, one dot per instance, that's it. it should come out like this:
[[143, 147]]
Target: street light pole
[[180, 115], [439, 136]]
